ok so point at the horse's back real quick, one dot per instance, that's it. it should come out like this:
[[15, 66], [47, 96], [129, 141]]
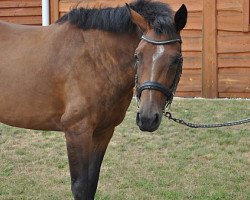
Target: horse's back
[[13, 32], [29, 92], [16, 42]]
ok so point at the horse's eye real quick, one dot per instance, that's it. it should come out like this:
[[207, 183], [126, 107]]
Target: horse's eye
[[176, 61], [137, 58]]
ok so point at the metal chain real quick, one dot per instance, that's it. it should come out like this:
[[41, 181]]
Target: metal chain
[[192, 125]]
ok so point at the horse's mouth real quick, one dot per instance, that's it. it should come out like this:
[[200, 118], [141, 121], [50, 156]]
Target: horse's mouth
[[148, 129]]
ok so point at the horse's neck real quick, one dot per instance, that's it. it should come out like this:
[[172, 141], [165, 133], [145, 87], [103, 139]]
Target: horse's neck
[[102, 53], [114, 54]]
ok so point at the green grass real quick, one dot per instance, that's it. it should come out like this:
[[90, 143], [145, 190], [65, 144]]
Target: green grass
[[175, 162]]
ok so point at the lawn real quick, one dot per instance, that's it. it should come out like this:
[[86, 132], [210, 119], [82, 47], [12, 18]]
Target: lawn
[[175, 162]]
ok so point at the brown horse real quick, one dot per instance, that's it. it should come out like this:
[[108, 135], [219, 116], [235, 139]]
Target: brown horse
[[77, 76]]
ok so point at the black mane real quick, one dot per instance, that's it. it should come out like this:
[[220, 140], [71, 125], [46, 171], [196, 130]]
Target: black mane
[[159, 16]]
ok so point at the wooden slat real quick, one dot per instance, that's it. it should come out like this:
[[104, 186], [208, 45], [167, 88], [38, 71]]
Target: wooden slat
[[32, 11], [66, 6], [234, 95], [230, 20], [235, 70], [192, 5], [236, 43], [190, 82], [194, 21], [28, 20], [192, 40], [234, 60], [228, 33], [246, 15], [192, 60], [192, 43], [232, 5], [188, 94], [20, 3], [21, 11], [209, 62], [195, 33], [234, 83]]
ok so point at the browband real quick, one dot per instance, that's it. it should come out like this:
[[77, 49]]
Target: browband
[[164, 42]]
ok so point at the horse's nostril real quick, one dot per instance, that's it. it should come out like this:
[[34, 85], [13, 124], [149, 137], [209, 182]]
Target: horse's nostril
[[157, 117], [138, 118]]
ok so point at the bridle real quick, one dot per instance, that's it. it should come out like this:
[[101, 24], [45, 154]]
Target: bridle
[[151, 85]]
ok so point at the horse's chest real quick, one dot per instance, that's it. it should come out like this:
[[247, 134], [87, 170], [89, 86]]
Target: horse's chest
[[114, 111]]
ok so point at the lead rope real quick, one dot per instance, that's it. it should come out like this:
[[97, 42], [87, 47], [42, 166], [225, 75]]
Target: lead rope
[[217, 125]]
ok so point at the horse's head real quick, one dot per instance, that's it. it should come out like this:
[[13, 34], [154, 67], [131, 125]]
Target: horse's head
[[159, 65]]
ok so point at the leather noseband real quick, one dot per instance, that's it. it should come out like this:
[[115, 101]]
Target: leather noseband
[[150, 85]]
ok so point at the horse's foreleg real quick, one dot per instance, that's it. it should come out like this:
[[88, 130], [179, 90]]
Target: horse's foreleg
[[78, 142], [99, 146]]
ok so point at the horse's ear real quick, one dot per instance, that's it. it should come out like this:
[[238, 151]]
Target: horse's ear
[[137, 19], [180, 18]]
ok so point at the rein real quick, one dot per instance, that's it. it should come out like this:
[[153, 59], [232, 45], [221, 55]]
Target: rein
[[216, 125], [152, 85]]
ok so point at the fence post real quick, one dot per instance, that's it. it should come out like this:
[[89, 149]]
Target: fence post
[[209, 50], [54, 10]]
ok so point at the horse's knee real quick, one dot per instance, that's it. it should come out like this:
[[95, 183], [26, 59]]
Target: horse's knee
[[79, 190]]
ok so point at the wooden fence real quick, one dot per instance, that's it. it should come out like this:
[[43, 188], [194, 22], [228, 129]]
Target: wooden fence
[[216, 41], [21, 11]]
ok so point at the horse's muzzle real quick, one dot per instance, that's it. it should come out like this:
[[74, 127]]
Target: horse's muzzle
[[147, 123]]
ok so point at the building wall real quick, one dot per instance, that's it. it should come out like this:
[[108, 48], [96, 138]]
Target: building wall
[[21, 11]]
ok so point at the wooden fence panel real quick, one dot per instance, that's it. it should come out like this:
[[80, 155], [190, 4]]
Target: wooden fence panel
[[20, 4], [26, 20], [22, 12], [192, 60], [233, 43], [230, 20], [234, 60], [234, 83]]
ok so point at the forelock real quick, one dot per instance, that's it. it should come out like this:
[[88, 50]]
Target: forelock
[[159, 15]]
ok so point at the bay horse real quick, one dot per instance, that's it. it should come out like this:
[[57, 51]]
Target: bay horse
[[77, 76]]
